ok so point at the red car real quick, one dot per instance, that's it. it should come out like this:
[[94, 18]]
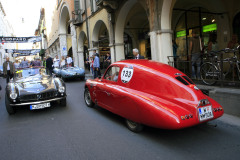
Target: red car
[[151, 93]]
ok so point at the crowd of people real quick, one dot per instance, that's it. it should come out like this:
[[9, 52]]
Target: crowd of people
[[47, 62], [50, 63]]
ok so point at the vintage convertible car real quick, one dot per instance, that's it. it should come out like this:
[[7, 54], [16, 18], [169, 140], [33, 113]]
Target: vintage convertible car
[[70, 72], [151, 93], [32, 87]]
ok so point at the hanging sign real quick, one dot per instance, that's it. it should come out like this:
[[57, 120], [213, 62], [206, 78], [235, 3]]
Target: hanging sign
[[28, 51], [20, 39]]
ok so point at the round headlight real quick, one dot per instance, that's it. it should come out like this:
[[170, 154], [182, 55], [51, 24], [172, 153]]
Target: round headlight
[[61, 89], [13, 95]]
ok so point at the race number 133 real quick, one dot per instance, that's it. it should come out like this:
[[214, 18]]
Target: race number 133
[[126, 74]]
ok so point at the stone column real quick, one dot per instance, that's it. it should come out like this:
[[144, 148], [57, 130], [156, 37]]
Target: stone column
[[80, 59], [119, 47], [161, 45], [63, 44], [74, 44]]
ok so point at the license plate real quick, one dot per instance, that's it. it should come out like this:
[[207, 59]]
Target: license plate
[[39, 106], [205, 113]]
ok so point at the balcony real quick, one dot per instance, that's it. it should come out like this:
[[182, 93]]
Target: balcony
[[77, 17]]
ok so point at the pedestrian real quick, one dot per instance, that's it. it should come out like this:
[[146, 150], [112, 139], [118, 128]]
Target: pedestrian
[[212, 43], [107, 60], [175, 47], [36, 62], [69, 61], [96, 65], [8, 69], [63, 62], [16, 64], [90, 62], [49, 65], [24, 63], [44, 62], [136, 54], [56, 62], [234, 42], [195, 48]]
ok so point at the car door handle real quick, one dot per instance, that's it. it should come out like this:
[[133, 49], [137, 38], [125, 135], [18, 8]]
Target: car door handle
[[109, 94]]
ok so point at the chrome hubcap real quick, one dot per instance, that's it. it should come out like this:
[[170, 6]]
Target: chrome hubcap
[[87, 97], [132, 124]]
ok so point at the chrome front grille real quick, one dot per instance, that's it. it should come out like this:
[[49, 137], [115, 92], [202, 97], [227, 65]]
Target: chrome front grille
[[40, 96]]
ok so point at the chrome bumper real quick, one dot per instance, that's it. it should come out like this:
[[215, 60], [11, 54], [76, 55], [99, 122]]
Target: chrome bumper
[[38, 102]]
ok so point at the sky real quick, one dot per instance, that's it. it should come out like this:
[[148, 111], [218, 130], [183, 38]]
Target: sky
[[24, 16]]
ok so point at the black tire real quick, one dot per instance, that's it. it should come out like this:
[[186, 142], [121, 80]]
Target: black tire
[[63, 102], [209, 73], [134, 126], [10, 109], [64, 79], [87, 98], [82, 78]]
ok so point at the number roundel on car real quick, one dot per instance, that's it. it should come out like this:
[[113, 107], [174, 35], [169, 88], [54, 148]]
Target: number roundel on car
[[127, 73]]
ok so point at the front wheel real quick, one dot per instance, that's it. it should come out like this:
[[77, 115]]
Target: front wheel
[[63, 102], [9, 108], [134, 126], [87, 98], [209, 73]]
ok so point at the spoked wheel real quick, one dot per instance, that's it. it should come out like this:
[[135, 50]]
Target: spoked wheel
[[87, 98], [134, 126], [209, 73]]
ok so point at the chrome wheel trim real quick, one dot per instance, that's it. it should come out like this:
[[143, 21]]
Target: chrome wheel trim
[[132, 124], [87, 97]]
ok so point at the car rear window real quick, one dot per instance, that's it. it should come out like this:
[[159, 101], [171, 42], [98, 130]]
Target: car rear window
[[182, 80]]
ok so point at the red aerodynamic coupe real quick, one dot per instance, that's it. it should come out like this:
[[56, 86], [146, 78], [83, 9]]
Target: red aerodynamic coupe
[[151, 93]]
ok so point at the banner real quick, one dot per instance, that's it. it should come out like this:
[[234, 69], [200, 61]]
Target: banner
[[20, 39], [17, 52]]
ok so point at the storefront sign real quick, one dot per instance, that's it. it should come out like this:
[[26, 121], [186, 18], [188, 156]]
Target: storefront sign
[[210, 27], [181, 33], [20, 39]]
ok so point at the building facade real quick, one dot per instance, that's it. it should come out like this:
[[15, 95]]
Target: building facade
[[6, 30], [118, 26]]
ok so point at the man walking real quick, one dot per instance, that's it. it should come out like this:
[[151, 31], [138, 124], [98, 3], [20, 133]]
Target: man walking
[[195, 48], [136, 54], [96, 65], [8, 69], [49, 65]]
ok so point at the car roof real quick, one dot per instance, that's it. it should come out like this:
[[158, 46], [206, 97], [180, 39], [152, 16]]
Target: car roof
[[150, 64]]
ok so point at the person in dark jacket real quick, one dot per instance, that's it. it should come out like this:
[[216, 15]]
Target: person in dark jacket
[[8, 69], [49, 65], [136, 54]]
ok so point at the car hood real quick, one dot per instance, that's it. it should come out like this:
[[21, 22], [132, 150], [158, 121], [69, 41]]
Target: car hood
[[35, 84]]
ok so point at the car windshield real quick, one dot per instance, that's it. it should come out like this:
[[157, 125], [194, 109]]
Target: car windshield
[[26, 72]]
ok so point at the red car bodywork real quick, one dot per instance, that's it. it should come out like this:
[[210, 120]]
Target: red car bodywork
[[155, 96]]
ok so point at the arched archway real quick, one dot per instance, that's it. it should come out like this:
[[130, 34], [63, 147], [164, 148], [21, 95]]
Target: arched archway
[[132, 23], [236, 25], [63, 29], [82, 49], [100, 40]]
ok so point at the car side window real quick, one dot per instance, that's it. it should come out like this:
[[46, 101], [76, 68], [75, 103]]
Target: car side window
[[112, 74]]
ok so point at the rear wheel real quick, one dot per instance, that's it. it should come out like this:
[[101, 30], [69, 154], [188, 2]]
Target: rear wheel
[[134, 126], [87, 98], [9, 108], [209, 73]]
